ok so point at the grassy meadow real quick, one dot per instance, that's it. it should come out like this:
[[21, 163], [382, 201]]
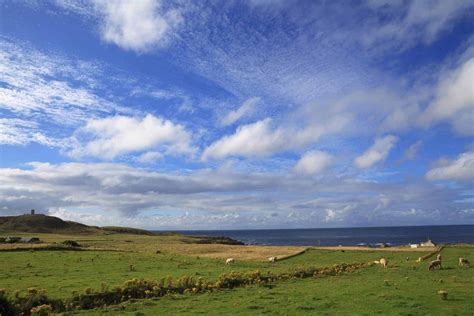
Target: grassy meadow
[[405, 287]]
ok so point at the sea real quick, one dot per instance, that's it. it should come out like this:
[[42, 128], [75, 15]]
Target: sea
[[360, 236]]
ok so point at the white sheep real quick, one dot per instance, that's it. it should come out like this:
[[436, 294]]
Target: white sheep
[[419, 259], [230, 261], [272, 259], [464, 262], [383, 262]]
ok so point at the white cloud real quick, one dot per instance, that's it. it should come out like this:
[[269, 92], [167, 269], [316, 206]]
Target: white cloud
[[376, 153], [262, 139], [253, 140], [454, 100], [118, 135], [245, 109], [314, 162], [138, 25], [461, 168]]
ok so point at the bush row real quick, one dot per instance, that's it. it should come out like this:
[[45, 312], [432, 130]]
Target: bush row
[[36, 302]]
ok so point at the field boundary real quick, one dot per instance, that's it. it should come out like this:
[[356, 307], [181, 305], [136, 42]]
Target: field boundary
[[299, 253], [437, 251]]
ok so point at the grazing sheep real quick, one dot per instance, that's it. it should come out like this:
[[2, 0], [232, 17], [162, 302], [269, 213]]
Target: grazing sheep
[[383, 262], [435, 263], [230, 261], [272, 259], [419, 259], [464, 262]]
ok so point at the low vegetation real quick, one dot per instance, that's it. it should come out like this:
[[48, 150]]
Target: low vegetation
[[211, 240], [70, 243]]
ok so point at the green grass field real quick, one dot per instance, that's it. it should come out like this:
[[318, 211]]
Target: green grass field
[[405, 287]]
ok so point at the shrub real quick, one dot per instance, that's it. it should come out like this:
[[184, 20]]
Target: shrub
[[35, 302], [71, 243], [7, 307], [42, 310]]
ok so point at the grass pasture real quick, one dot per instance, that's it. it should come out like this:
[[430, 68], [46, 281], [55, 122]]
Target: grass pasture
[[405, 287]]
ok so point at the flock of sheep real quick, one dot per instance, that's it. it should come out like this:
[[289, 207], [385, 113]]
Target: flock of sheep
[[384, 262], [433, 264]]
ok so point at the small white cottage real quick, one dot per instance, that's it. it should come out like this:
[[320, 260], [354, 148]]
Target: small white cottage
[[428, 243]]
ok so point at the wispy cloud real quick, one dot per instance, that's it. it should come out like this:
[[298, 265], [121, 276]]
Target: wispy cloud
[[461, 168], [408, 23], [377, 152], [21, 132], [454, 100], [245, 109], [412, 151], [48, 91]]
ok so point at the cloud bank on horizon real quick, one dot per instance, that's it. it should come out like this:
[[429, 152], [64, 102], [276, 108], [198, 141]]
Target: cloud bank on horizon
[[238, 114]]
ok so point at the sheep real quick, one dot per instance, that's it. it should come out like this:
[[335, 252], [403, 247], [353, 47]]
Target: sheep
[[419, 259], [230, 261], [464, 262], [435, 263], [383, 262], [272, 259]]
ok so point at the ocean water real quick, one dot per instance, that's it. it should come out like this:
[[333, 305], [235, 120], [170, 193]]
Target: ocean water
[[348, 236]]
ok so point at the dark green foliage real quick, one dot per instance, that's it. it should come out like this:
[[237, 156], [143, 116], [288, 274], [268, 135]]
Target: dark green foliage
[[212, 240], [22, 305], [71, 243], [127, 230], [6, 306]]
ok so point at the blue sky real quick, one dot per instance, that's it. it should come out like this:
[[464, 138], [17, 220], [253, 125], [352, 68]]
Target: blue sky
[[238, 114]]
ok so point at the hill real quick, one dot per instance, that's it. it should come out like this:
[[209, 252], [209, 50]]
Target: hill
[[40, 223], [43, 224]]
